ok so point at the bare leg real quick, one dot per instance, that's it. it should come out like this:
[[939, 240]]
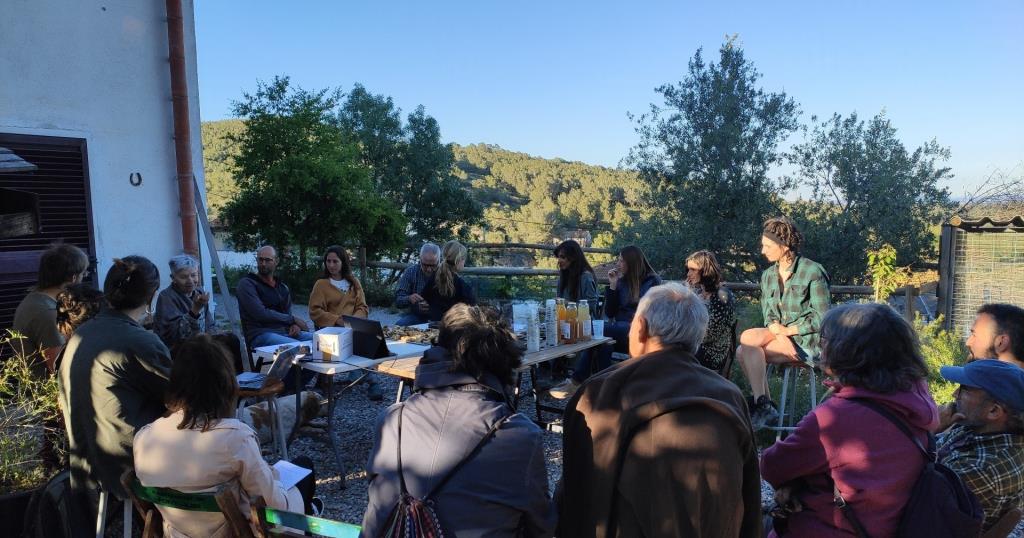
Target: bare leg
[[758, 347], [751, 355]]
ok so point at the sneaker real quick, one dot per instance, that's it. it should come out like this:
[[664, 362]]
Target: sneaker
[[564, 389], [318, 506], [374, 392], [765, 413]]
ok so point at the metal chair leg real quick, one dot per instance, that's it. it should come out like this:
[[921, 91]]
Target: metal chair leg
[[127, 518], [101, 514]]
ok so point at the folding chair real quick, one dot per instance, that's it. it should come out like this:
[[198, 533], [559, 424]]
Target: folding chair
[[223, 500], [271, 522]]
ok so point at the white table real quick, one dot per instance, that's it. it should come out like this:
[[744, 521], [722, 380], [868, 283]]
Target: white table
[[399, 350]]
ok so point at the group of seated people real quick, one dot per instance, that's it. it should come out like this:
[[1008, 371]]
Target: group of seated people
[[658, 445]]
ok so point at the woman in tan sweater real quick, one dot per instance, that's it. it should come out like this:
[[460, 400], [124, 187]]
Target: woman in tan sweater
[[338, 293]]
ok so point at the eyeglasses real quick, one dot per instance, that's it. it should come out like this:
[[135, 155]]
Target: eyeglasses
[[264, 260]]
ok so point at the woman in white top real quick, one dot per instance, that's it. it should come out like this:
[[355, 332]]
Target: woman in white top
[[198, 445]]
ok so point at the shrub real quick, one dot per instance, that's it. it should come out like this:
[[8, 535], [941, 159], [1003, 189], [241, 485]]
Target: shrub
[[940, 348], [29, 410]]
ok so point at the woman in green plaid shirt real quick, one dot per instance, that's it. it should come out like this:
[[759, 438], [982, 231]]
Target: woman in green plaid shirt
[[794, 298]]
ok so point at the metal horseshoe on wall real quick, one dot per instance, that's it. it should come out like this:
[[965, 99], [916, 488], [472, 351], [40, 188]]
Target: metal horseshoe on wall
[[135, 179]]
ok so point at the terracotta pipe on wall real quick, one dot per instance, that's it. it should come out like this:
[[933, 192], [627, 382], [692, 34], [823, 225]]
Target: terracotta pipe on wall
[[182, 132]]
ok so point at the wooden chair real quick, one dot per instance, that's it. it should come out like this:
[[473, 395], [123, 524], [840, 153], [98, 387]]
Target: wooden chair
[[224, 500], [271, 522]]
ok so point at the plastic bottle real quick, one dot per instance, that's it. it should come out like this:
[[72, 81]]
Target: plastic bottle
[[550, 323], [586, 329], [560, 317], [532, 327], [570, 327]]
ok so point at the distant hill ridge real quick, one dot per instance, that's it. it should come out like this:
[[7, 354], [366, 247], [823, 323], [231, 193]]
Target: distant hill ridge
[[526, 198]]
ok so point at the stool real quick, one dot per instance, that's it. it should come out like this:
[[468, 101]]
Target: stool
[[101, 516], [790, 382]]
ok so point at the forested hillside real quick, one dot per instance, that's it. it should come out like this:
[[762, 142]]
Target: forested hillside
[[525, 198]]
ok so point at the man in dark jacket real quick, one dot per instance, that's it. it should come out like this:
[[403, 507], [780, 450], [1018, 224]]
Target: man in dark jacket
[[660, 446], [265, 305]]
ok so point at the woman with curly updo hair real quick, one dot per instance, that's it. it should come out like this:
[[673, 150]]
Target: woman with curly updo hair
[[794, 298]]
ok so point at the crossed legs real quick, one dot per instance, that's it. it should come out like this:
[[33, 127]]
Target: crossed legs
[[758, 348]]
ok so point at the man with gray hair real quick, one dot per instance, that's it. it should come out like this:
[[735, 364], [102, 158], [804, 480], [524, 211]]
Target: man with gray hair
[[411, 285], [658, 445]]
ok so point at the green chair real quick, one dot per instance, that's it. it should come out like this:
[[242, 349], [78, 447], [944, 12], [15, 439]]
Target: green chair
[[269, 522], [224, 499]]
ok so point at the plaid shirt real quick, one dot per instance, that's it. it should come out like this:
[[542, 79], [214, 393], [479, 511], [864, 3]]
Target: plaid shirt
[[991, 465], [805, 302]]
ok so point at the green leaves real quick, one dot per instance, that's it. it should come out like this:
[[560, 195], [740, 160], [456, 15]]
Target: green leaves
[[868, 191], [300, 182], [704, 155]]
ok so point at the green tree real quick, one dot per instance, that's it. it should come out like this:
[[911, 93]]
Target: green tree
[[409, 164], [868, 190], [704, 156], [299, 183]]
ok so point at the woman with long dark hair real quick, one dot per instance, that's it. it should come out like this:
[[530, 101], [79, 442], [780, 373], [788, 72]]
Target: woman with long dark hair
[[875, 360], [337, 293], [446, 288], [199, 444], [627, 283], [794, 298], [704, 276], [462, 399], [576, 280]]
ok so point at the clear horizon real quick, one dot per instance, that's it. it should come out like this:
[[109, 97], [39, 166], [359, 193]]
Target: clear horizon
[[557, 80]]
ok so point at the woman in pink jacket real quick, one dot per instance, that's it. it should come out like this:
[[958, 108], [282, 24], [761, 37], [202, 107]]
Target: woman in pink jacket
[[872, 353]]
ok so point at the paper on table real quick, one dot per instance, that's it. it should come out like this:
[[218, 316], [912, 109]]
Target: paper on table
[[289, 474]]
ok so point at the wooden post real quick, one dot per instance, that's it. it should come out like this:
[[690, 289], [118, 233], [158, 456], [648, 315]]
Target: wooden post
[[910, 294], [362, 264]]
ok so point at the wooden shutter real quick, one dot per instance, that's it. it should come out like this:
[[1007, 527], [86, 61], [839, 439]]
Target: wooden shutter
[[62, 185]]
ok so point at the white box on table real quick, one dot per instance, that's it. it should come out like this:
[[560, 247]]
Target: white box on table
[[335, 343]]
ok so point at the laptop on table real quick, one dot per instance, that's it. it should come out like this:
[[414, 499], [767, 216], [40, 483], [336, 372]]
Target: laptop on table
[[367, 338], [283, 361]]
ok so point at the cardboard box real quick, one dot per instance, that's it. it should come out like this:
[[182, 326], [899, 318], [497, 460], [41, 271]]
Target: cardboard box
[[334, 343]]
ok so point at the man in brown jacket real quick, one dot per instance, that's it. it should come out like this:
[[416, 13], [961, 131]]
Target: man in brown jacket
[[660, 446]]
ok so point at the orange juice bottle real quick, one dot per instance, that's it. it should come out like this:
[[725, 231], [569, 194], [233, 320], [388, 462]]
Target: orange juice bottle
[[572, 324]]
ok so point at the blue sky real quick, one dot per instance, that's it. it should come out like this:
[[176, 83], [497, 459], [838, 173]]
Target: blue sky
[[556, 79]]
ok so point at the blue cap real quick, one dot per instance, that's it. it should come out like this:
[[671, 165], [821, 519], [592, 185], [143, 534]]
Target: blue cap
[[1002, 380]]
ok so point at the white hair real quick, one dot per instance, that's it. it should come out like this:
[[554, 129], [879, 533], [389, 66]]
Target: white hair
[[182, 261], [675, 315], [430, 248]]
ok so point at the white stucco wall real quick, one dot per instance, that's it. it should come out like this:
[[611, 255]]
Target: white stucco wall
[[99, 70]]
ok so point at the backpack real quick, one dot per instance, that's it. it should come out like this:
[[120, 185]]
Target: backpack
[[48, 515], [416, 518], [940, 505]]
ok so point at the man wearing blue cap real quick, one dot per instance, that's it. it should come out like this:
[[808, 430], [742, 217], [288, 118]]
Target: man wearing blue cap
[[985, 444]]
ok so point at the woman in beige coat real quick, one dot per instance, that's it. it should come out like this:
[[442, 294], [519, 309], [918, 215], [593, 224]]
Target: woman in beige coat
[[338, 293], [198, 445]]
